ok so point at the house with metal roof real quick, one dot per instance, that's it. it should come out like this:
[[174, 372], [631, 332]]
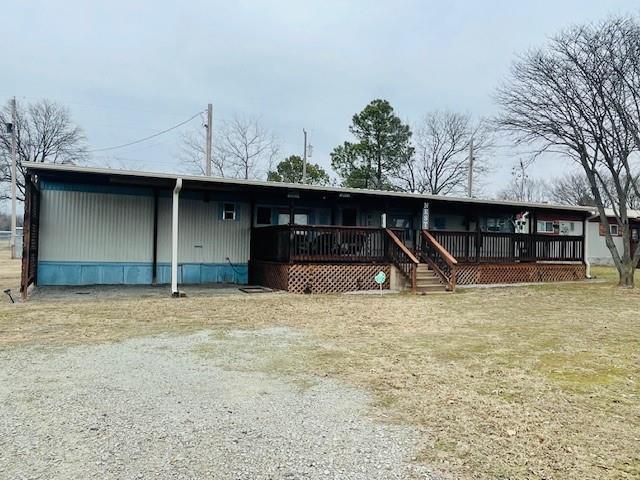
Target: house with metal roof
[[599, 253], [86, 226]]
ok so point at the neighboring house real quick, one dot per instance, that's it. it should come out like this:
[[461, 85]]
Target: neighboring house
[[597, 251], [99, 226]]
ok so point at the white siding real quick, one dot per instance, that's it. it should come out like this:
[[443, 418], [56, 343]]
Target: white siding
[[89, 226], [597, 251], [203, 236]]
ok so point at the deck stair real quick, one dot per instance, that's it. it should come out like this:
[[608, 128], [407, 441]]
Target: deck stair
[[427, 281]]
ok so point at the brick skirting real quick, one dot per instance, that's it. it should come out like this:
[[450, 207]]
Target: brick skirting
[[317, 278]]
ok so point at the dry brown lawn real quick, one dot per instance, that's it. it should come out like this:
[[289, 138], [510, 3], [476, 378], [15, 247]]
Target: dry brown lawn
[[527, 382]]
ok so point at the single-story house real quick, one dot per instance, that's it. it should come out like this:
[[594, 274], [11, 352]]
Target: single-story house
[[598, 253], [86, 226]]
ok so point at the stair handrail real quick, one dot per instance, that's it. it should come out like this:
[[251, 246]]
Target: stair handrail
[[401, 256], [440, 260]]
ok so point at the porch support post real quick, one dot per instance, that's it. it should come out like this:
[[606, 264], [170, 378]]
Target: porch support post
[[478, 238], [585, 246], [174, 239], [291, 232], [534, 240], [26, 237]]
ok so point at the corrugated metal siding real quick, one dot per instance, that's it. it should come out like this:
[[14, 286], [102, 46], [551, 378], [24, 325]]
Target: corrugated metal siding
[[203, 236], [87, 226]]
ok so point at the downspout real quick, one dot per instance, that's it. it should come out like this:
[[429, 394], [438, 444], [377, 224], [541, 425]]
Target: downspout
[[174, 239]]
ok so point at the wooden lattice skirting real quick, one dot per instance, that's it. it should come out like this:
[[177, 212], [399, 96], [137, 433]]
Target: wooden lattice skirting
[[470, 274], [317, 278]]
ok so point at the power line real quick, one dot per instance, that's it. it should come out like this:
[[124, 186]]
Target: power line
[[145, 138]]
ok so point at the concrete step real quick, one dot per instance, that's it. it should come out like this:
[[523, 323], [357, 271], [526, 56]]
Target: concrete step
[[430, 288], [426, 273]]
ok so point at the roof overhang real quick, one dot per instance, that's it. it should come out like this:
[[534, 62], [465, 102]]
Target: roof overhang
[[76, 173]]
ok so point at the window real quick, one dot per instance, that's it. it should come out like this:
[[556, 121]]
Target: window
[[613, 228], [497, 224], [263, 216], [400, 221], [301, 219], [440, 223], [545, 227], [228, 211]]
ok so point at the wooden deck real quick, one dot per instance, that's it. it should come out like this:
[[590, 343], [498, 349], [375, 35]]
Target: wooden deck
[[313, 258]]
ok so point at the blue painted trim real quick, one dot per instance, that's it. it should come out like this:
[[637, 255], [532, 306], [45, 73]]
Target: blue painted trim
[[137, 273]]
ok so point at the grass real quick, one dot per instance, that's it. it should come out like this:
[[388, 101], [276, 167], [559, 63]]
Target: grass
[[530, 382]]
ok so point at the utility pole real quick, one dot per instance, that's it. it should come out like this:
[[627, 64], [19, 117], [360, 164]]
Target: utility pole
[[470, 188], [13, 177], [304, 158], [208, 146]]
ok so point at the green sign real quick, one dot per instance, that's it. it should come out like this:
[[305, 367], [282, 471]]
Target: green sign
[[380, 277]]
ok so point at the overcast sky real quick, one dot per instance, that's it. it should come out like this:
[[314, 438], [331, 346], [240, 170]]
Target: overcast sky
[[128, 69]]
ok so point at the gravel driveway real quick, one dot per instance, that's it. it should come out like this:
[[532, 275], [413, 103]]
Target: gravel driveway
[[155, 408]]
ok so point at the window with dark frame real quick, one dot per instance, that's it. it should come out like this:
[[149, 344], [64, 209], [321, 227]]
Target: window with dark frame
[[229, 211], [263, 216], [613, 228]]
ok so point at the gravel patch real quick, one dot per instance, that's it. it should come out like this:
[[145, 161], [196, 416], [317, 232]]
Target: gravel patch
[[154, 408]]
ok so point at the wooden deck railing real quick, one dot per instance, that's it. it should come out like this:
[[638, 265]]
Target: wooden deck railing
[[314, 243], [439, 259], [497, 247], [402, 257], [320, 243]]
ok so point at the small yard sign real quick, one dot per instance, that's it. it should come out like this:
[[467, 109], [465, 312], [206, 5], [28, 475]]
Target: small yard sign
[[380, 279]]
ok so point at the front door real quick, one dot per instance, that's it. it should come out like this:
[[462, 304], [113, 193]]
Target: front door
[[349, 217]]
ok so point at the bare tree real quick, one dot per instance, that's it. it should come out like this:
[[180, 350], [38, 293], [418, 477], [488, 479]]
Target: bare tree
[[440, 161], [242, 148], [192, 154], [573, 98], [247, 147], [44, 133], [523, 187], [572, 189]]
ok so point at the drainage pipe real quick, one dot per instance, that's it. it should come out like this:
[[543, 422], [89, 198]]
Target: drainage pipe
[[174, 239]]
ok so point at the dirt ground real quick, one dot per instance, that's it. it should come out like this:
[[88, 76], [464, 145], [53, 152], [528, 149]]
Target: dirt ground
[[527, 382]]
